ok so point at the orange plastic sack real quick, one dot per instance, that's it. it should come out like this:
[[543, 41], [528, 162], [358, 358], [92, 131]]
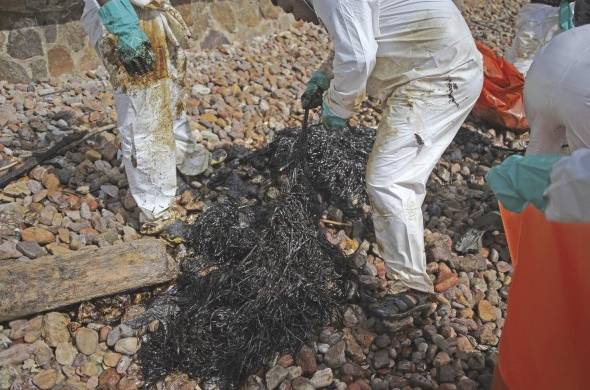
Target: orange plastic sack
[[501, 101], [546, 337]]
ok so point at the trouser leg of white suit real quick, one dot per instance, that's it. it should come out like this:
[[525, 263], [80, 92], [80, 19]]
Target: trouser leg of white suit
[[148, 148], [420, 120], [192, 158]]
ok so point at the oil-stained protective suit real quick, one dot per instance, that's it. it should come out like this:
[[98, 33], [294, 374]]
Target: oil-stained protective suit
[[152, 124], [419, 57]]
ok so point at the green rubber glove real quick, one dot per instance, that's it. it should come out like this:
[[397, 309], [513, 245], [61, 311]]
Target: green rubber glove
[[314, 91], [520, 180], [566, 18], [133, 45], [332, 121]]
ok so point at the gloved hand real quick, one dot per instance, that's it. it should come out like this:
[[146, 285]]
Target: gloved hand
[[314, 91], [331, 120], [566, 21], [133, 45]]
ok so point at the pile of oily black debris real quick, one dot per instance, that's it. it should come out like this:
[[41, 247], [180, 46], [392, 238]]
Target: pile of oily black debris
[[261, 279]]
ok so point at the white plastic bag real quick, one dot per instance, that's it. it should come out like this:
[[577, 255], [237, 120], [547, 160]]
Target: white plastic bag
[[536, 25]]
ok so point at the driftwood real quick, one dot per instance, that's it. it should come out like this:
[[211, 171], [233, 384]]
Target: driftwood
[[67, 143], [50, 282]]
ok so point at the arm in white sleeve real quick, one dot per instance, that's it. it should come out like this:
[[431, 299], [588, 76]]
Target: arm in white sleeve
[[350, 24]]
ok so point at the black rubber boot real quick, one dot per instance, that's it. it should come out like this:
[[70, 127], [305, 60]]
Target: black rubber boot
[[401, 305]]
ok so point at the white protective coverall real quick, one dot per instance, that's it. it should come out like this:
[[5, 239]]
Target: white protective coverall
[[536, 25], [568, 195], [557, 94], [155, 135], [419, 57]]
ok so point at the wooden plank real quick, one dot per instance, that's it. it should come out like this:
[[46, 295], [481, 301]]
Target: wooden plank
[[50, 282]]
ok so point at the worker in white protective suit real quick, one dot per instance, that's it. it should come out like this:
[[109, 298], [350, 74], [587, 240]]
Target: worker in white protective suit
[[557, 90], [419, 57], [141, 43]]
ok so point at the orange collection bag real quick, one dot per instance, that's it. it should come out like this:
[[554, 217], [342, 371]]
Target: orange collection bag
[[501, 101], [546, 337]]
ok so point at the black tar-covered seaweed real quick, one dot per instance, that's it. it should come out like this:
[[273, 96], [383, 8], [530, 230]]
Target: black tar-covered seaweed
[[262, 279]]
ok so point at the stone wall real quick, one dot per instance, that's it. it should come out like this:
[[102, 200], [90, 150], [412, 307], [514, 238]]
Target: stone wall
[[44, 38]]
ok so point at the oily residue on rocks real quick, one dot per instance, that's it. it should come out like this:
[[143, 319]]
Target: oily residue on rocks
[[262, 279]]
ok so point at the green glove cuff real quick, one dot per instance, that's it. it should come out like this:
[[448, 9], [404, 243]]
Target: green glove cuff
[[332, 121], [566, 17], [521, 180], [319, 79], [120, 19]]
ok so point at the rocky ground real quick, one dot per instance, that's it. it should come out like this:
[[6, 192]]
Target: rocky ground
[[241, 95]]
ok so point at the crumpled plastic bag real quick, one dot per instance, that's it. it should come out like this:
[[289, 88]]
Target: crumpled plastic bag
[[536, 25], [501, 102]]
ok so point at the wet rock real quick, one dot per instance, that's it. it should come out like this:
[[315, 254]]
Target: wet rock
[[294, 372], [382, 341], [353, 349], [379, 384], [302, 384], [45, 379], [43, 354], [421, 381], [364, 337], [127, 346], [470, 263], [441, 359], [381, 359], [103, 334], [395, 326], [16, 354], [123, 364], [87, 341], [38, 235], [31, 249], [65, 353], [464, 345], [351, 369], [487, 335], [503, 267], [286, 361], [307, 361], [486, 311], [54, 328], [8, 250], [446, 374], [90, 368], [111, 359], [254, 382], [275, 376], [109, 378], [466, 384], [354, 316], [117, 332], [446, 279], [92, 382], [440, 249], [322, 378], [335, 357]]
